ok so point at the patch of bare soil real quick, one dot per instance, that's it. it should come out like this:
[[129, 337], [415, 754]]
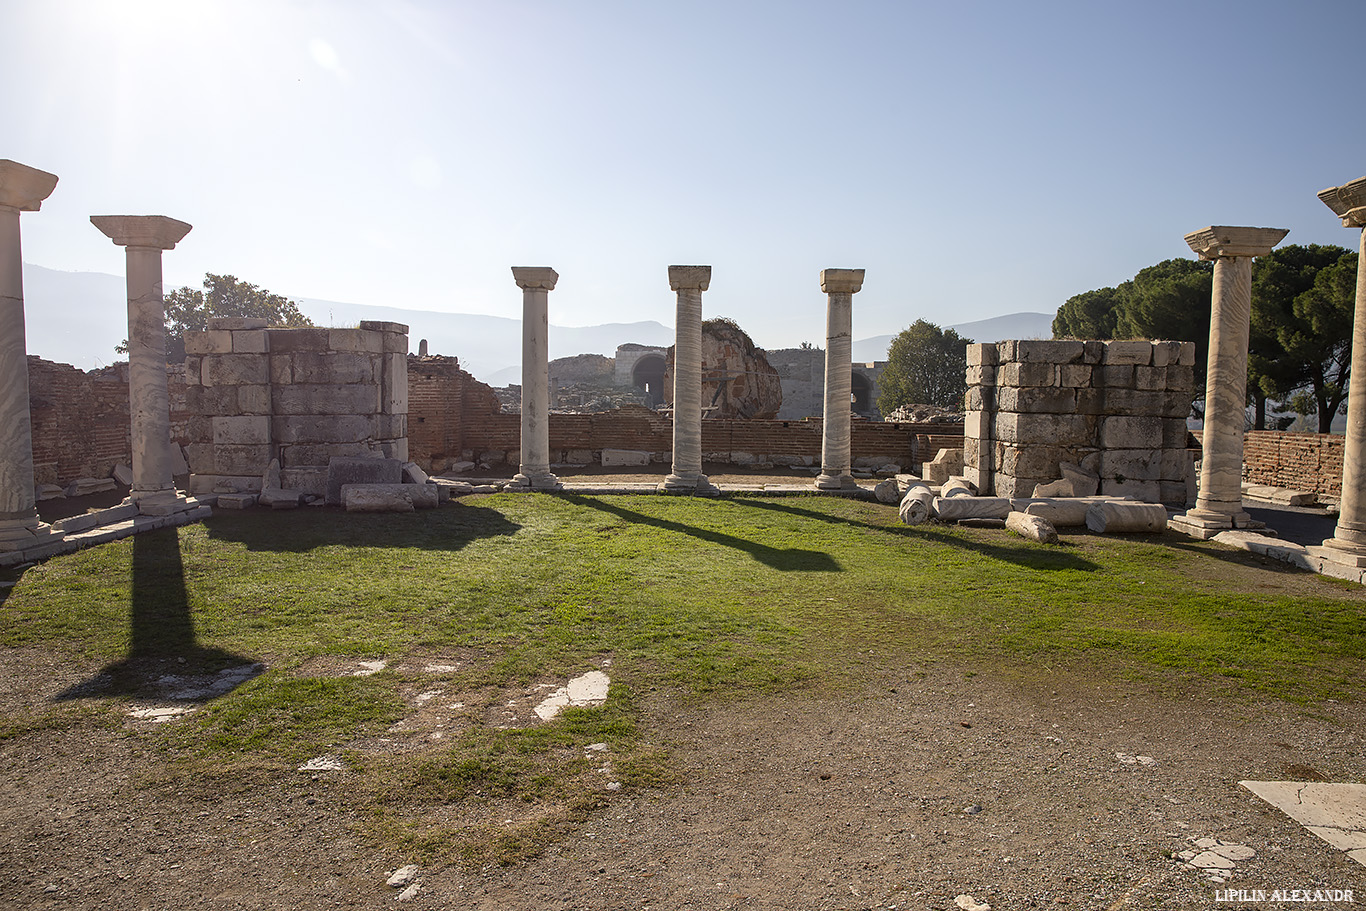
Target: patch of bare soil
[[927, 786]]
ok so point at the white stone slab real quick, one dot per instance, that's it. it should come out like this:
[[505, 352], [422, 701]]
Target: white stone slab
[[1335, 812]]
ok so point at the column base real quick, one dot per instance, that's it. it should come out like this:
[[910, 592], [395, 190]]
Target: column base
[[22, 534], [535, 481], [1349, 553], [696, 484], [1206, 523], [826, 481], [162, 502]]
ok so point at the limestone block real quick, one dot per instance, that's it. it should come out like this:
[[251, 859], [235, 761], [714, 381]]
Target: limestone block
[[887, 491], [1038, 399], [982, 355], [1005, 351], [1145, 491], [1130, 432], [123, 475], [246, 430], [1017, 374], [322, 428], [1181, 378], [279, 498], [947, 462], [253, 399], [613, 458], [214, 483], [577, 457], [1151, 378], [271, 476], [376, 498], [1046, 429], [192, 370], [1176, 404], [1033, 527], [211, 400], [234, 369], [1174, 435], [975, 399], [249, 341], [1059, 488], [179, 464], [1123, 516], [1166, 354], [1176, 465], [1131, 464], [1084, 483], [342, 470], [230, 459], [391, 426], [397, 342], [1129, 351], [1012, 487], [951, 509], [339, 367], [302, 455], [1049, 351], [237, 322], [327, 399], [304, 338], [976, 425], [1091, 401], [1061, 512], [1187, 356], [1117, 376], [311, 482], [236, 500], [957, 486], [1075, 376], [420, 496], [281, 368], [355, 340], [210, 342], [394, 449], [1130, 401], [394, 394], [985, 375], [1177, 493], [980, 477], [1094, 352], [972, 451], [412, 474], [916, 506], [742, 458], [1034, 460]]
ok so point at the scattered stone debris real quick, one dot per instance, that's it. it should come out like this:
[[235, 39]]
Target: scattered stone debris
[[968, 903], [409, 893], [584, 690], [325, 763], [368, 668], [1135, 760], [160, 714], [402, 877], [1216, 859]]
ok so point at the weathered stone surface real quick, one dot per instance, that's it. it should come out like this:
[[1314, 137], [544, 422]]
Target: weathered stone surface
[[342, 471], [389, 497], [917, 506], [1049, 351], [1037, 399], [1131, 464], [957, 486], [245, 430], [1131, 432], [326, 398], [1017, 374], [948, 462], [1144, 491], [737, 379], [412, 474], [1084, 483], [322, 428], [981, 355], [1061, 512], [210, 342], [279, 498], [329, 367], [355, 340], [236, 500], [1123, 516], [612, 458], [951, 509], [311, 482], [1033, 527], [1048, 429], [887, 491], [1059, 488], [249, 342], [1129, 351], [234, 369]]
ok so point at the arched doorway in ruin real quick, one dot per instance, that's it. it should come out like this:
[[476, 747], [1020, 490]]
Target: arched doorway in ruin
[[862, 390], [648, 375]]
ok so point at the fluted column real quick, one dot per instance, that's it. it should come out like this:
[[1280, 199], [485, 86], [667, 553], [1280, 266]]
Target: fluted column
[[1348, 544], [1220, 501], [145, 237], [689, 282], [22, 189], [840, 286], [536, 283]]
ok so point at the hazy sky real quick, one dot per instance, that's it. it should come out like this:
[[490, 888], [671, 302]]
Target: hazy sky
[[977, 158]]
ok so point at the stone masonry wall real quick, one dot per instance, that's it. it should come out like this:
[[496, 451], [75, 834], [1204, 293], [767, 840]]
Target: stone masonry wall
[[1310, 462], [1117, 409], [300, 395]]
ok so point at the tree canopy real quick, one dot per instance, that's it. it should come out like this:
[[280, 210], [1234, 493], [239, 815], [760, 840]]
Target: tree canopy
[[926, 365], [222, 296]]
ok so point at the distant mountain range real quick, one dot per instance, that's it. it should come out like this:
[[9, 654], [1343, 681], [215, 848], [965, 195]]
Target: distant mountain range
[[78, 317]]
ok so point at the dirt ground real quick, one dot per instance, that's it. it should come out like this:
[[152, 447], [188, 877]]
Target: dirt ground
[[929, 785]]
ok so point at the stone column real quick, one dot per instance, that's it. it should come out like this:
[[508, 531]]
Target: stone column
[[22, 189], [145, 236], [687, 477], [1219, 504], [840, 285], [536, 283], [1348, 544]]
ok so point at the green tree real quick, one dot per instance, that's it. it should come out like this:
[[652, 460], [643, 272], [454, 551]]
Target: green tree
[[926, 365], [223, 296], [1091, 314]]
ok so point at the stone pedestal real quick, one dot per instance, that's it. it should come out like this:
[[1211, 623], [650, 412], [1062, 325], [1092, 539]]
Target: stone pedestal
[[1348, 544], [840, 286], [145, 237], [536, 283], [686, 477], [1219, 504], [22, 189]]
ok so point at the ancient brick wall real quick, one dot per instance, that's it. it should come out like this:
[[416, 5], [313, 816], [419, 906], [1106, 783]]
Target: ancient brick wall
[[1296, 461], [80, 421], [442, 399], [1117, 409]]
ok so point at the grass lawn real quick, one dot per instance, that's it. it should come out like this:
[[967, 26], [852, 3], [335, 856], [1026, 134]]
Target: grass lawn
[[690, 598]]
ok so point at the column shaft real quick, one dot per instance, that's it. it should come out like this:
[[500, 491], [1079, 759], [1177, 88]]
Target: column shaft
[[148, 398], [16, 433], [535, 380], [1221, 466], [835, 428], [687, 440], [1350, 533]]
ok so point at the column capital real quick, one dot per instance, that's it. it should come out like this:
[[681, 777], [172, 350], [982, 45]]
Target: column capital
[[1348, 202], [141, 230], [1219, 241], [836, 280], [682, 277], [22, 187], [530, 278]]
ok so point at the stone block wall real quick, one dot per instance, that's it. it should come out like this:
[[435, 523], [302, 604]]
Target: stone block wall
[[1116, 408], [300, 395], [1311, 462]]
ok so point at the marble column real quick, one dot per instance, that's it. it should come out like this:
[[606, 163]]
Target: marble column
[[145, 237], [686, 477], [22, 189], [840, 286], [1348, 544], [1219, 504], [536, 283]]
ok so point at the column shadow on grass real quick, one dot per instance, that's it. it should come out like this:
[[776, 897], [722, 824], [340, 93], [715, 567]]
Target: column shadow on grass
[[783, 559], [165, 659], [1054, 557], [449, 528]]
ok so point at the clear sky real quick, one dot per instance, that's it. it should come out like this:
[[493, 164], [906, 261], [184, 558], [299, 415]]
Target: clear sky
[[977, 158]]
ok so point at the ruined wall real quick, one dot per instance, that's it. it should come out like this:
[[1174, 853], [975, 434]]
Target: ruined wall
[[1117, 409], [1310, 462], [299, 395], [80, 421], [442, 398]]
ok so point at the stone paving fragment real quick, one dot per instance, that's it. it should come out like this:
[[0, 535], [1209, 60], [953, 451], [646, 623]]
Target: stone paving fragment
[[1335, 812]]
